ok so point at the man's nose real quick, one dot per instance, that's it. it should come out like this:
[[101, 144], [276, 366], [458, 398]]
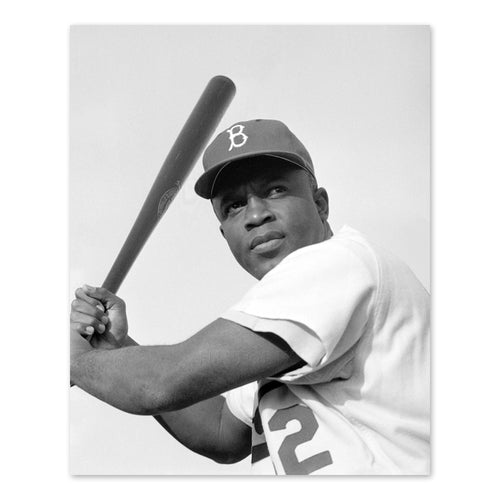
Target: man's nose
[[257, 213]]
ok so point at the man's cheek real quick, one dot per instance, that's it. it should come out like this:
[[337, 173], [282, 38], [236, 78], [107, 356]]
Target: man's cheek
[[238, 251]]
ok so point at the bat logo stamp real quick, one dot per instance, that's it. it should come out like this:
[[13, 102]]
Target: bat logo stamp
[[166, 198]]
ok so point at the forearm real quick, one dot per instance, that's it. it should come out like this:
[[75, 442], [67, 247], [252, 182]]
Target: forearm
[[138, 389], [200, 428], [154, 379]]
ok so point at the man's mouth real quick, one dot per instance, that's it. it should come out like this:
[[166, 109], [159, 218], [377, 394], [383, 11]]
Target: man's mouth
[[267, 242]]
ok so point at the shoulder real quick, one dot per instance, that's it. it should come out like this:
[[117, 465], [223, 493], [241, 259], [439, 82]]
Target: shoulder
[[338, 271]]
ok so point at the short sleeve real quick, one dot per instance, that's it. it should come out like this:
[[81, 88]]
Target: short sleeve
[[318, 299], [241, 402]]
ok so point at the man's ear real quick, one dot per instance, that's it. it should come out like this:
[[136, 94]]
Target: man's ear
[[322, 204]]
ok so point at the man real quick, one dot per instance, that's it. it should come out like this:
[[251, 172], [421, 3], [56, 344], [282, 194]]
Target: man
[[324, 362]]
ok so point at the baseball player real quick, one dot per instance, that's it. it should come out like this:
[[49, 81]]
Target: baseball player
[[321, 368]]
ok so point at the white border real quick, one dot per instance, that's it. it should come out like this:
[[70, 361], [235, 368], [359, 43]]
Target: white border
[[34, 45]]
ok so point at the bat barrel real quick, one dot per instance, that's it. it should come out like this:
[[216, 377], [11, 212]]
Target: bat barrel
[[181, 159]]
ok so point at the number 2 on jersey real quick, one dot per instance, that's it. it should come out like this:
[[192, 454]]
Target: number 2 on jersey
[[286, 452]]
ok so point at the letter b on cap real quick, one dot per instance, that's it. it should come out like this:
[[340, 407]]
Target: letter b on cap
[[233, 135]]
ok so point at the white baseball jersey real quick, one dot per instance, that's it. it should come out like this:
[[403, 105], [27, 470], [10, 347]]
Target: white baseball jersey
[[359, 318]]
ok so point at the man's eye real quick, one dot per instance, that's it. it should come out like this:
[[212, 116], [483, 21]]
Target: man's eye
[[277, 190], [233, 207]]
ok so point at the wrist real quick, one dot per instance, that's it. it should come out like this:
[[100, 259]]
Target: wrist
[[128, 341], [76, 358], [78, 346]]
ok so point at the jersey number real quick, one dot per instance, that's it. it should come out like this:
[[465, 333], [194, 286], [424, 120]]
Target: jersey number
[[286, 452]]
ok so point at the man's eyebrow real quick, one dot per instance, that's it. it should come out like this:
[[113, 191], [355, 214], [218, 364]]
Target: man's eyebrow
[[277, 177], [228, 195]]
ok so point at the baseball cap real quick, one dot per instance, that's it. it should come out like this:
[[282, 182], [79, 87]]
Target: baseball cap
[[247, 139]]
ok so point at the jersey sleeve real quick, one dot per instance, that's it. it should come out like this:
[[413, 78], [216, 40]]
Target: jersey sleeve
[[319, 300]]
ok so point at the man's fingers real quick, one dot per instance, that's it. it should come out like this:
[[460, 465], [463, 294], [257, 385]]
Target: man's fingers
[[80, 294], [97, 311], [86, 324], [102, 295]]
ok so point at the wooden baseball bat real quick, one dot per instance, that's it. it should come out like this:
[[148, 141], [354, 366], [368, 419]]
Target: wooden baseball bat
[[181, 159]]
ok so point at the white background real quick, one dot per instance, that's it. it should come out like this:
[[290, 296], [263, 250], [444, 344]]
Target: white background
[[34, 265], [357, 97]]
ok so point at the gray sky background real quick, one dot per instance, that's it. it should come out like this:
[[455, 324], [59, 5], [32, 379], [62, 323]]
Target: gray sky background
[[357, 97]]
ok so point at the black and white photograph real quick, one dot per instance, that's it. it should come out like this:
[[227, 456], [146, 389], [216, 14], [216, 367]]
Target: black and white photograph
[[250, 250]]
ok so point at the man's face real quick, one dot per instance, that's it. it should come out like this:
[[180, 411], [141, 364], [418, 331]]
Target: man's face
[[267, 210]]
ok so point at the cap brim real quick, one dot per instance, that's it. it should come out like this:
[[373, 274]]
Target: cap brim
[[204, 186]]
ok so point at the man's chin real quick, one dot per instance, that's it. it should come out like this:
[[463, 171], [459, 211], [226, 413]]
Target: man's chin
[[260, 269]]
